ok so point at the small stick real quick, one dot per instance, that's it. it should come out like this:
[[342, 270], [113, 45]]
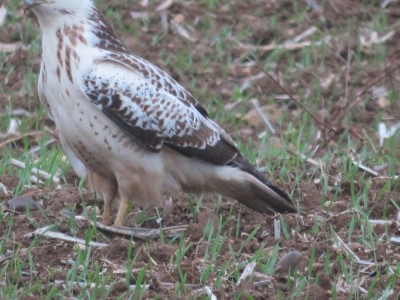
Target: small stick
[[165, 5], [42, 174], [4, 189], [255, 104], [262, 282], [398, 219], [247, 272], [381, 222], [45, 231], [37, 148], [277, 229], [386, 294], [136, 232], [210, 293], [298, 102], [395, 240], [347, 248], [10, 47], [19, 137], [363, 167], [290, 46]]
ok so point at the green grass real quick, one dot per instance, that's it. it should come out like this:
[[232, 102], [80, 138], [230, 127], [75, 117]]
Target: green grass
[[218, 258]]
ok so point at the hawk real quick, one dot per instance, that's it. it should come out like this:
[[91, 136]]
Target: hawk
[[135, 132]]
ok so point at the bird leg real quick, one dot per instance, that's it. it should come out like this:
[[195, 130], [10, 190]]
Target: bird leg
[[123, 206], [144, 190], [107, 210], [107, 188]]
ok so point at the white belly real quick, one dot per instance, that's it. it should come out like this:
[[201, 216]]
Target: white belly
[[95, 139]]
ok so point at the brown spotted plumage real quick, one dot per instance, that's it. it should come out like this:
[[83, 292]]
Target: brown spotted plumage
[[128, 125]]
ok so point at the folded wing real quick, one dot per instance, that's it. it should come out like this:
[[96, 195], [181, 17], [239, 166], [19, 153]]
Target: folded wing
[[154, 110]]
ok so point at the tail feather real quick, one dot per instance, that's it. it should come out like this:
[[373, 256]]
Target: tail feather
[[238, 179], [242, 181]]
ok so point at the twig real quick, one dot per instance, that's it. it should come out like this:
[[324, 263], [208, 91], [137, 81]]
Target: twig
[[9, 47], [36, 180], [262, 282], [363, 167], [386, 294], [277, 229], [136, 232], [4, 189], [210, 293], [34, 171], [37, 148], [322, 124], [168, 285], [45, 231], [305, 33], [359, 96], [381, 222], [338, 116], [307, 159], [247, 272], [385, 3], [248, 81], [381, 179], [255, 104], [18, 137], [395, 240], [363, 262], [398, 219], [165, 5], [290, 46], [164, 21], [180, 30], [347, 248]]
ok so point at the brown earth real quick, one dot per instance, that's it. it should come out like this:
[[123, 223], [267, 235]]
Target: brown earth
[[309, 233]]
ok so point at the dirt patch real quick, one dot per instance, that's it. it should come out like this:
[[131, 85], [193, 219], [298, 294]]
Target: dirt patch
[[325, 210], [59, 255]]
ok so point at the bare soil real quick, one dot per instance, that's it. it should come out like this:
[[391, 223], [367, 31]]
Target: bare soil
[[312, 229]]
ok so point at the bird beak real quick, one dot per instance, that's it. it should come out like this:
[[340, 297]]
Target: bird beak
[[28, 3], [31, 3]]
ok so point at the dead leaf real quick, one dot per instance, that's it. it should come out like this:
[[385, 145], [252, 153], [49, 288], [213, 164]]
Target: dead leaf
[[382, 102], [179, 18], [327, 82]]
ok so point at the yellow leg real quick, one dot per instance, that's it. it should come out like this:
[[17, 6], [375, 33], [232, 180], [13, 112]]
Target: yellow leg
[[107, 188], [123, 206], [107, 211]]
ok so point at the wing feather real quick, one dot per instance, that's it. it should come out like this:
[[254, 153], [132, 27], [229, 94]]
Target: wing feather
[[155, 110]]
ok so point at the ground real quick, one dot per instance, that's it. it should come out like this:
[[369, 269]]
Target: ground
[[333, 82]]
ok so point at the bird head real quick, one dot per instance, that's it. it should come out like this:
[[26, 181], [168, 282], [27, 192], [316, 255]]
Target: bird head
[[71, 6], [51, 10]]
